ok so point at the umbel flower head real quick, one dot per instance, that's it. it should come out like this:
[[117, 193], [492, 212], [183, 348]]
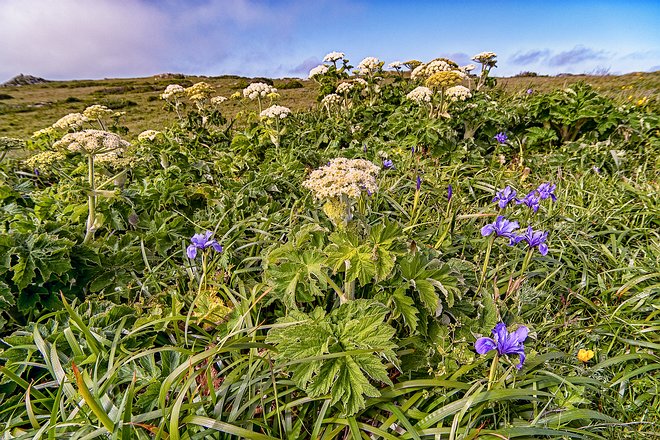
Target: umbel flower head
[[333, 57], [276, 112], [344, 87], [200, 242], [369, 65], [486, 58], [98, 143], [343, 177], [420, 95], [321, 69], [172, 91], [444, 79], [458, 93], [504, 342], [258, 90], [97, 111], [149, 135], [70, 121], [331, 100]]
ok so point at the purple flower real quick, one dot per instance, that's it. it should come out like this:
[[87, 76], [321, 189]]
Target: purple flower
[[202, 241], [501, 137], [388, 164], [419, 183], [531, 200], [530, 91], [36, 172], [501, 227], [546, 190], [504, 342], [533, 239], [504, 196], [450, 192]]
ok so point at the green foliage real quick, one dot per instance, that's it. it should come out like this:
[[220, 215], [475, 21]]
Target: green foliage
[[337, 353]]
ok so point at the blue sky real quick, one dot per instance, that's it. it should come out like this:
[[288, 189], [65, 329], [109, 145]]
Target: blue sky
[[68, 39]]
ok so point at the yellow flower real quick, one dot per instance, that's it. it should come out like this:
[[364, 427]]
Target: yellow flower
[[585, 355], [444, 79]]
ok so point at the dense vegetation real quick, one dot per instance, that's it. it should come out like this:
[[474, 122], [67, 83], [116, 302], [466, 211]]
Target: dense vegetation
[[328, 273]]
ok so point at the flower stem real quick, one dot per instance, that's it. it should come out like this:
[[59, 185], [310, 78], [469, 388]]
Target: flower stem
[[526, 260], [91, 200], [493, 371], [485, 266]]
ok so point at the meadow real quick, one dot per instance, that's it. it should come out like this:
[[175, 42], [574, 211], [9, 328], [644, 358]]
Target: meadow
[[423, 252]]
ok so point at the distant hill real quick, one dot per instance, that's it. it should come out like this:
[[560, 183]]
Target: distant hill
[[23, 80]]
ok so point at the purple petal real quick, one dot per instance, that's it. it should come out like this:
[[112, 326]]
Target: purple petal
[[487, 230], [543, 249], [521, 333], [500, 332], [217, 246], [484, 345], [191, 251], [522, 360]]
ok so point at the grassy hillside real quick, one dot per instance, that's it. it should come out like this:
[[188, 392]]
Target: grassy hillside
[[25, 109]]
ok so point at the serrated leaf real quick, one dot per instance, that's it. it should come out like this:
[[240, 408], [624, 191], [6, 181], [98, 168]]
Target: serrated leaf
[[405, 306], [23, 271]]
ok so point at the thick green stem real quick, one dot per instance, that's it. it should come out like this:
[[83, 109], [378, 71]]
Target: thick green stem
[[91, 200]]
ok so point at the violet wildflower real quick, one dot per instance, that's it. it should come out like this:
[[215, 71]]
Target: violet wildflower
[[501, 137], [450, 192], [547, 190], [501, 227], [419, 183], [531, 200], [504, 196], [202, 241], [388, 164], [530, 91], [504, 342], [533, 239]]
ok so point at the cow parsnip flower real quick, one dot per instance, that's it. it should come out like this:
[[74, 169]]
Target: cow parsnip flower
[[217, 100], [149, 135], [333, 57], [44, 159], [97, 111], [276, 112], [485, 57], [395, 65], [458, 93], [45, 132], [258, 90], [369, 65], [444, 79], [437, 65], [344, 87], [70, 121], [200, 92], [412, 64], [92, 142], [420, 95], [321, 69], [331, 100], [343, 177], [172, 91]]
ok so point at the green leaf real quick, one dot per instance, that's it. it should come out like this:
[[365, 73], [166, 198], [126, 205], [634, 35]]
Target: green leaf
[[23, 271], [405, 306]]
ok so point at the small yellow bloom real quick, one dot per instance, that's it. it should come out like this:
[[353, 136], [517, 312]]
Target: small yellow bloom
[[585, 355]]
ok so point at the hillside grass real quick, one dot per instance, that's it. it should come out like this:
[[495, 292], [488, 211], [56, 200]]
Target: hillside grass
[[26, 109]]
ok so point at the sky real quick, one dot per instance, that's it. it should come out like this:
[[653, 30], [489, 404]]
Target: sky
[[89, 39]]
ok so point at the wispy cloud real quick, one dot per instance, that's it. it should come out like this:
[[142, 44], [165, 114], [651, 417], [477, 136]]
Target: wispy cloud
[[575, 56], [530, 57]]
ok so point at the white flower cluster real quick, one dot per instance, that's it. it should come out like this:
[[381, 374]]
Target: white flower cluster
[[93, 142], [458, 93], [72, 120], [46, 132], [217, 100], [97, 112], [148, 135], [420, 95], [428, 69], [259, 89], [276, 111], [321, 69], [333, 57], [343, 177], [369, 65], [359, 82], [395, 65], [172, 91], [344, 87], [485, 57], [468, 68], [331, 100]]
